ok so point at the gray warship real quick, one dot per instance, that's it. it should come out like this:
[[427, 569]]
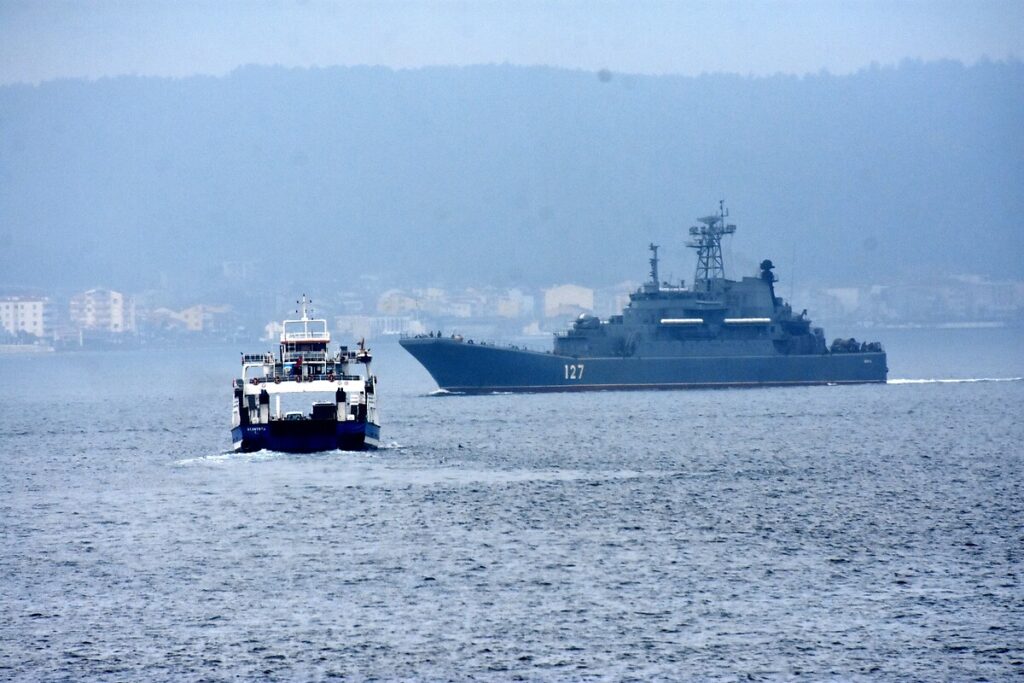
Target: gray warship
[[716, 333]]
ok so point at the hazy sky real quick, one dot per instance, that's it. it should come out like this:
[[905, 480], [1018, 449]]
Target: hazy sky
[[41, 40]]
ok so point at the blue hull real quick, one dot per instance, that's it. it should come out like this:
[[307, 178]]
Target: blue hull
[[475, 368], [306, 436]]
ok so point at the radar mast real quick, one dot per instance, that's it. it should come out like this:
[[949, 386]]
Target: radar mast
[[655, 282], [707, 240], [304, 307]]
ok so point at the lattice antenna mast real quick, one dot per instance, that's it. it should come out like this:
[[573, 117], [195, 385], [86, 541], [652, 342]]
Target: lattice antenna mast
[[707, 240]]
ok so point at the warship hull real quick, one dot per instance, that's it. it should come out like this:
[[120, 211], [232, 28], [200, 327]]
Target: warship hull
[[463, 367]]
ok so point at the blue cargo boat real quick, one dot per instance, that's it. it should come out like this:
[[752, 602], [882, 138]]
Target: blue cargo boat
[[273, 394], [717, 333]]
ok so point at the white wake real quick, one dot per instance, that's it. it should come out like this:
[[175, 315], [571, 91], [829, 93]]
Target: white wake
[[971, 380]]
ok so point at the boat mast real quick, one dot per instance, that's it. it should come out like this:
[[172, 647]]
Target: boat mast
[[303, 307], [707, 240], [304, 310], [655, 282]]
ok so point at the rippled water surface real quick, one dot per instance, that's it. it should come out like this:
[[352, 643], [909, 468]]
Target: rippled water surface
[[871, 532]]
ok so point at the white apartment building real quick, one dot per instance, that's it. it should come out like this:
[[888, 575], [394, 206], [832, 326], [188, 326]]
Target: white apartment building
[[24, 314], [103, 309]]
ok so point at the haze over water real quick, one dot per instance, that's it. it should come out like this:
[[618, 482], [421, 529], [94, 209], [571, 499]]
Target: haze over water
[[864, 532], [239, 154]]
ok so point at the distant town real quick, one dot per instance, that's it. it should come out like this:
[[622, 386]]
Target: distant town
[[105, 318]]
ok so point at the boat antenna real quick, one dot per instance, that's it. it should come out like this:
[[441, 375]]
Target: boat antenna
[[707, 240]]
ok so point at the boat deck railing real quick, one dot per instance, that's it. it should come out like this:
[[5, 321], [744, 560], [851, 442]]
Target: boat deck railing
[[306, 336], [278, 379], [476, 342], [306, 356]]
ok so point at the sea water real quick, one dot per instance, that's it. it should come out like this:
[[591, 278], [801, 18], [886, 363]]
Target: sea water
[[848, 532]]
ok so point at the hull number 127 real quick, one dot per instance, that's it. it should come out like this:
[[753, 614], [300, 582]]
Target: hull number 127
[[574, 371]]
